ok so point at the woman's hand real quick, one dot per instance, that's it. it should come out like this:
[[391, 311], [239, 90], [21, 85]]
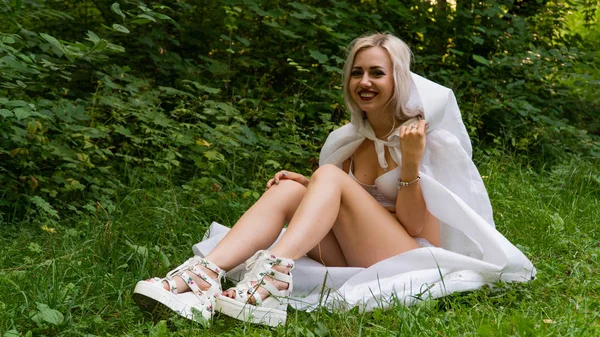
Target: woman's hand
[[412, 143], [281, 175]]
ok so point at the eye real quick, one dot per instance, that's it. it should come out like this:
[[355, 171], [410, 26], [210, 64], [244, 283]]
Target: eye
[[377, 73], [356, 72]]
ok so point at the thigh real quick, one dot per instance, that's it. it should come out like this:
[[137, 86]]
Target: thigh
[[365, 231], [328, 252]]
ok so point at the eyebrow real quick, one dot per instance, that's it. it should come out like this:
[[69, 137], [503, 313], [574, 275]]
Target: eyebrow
[[373, 67]]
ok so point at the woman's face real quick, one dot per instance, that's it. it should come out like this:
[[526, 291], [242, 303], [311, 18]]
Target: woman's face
[[371, 81]]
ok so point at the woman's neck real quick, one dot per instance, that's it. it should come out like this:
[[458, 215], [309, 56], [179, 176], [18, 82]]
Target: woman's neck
[[382, 124]]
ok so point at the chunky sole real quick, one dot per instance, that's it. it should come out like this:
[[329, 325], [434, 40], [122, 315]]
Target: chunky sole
[[250, 313], [161, 304]]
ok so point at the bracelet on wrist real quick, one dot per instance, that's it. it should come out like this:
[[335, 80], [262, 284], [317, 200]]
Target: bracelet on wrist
[[406, 183]]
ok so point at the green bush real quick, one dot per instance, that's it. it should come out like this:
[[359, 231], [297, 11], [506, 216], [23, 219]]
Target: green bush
[[98, 95]]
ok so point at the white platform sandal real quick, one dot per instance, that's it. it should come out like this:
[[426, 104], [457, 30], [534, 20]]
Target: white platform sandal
[[197, 305], [270, 311]]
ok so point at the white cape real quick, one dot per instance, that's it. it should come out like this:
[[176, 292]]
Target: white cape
[[473, 252]]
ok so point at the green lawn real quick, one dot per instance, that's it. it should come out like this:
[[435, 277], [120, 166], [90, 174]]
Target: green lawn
[[76, 278]]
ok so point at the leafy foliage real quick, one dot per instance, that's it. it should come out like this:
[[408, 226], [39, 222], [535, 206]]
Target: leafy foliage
[[98, 95]]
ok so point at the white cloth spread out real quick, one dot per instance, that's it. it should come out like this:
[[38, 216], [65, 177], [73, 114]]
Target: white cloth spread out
[[473, 252]]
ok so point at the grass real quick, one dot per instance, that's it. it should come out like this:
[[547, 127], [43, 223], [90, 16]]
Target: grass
[[75, 278]]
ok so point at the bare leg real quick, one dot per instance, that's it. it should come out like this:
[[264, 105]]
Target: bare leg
[[258, 228], [364, 231], [328, 252]]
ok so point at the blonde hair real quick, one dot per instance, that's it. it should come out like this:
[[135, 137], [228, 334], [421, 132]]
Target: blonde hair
[[400, 56]]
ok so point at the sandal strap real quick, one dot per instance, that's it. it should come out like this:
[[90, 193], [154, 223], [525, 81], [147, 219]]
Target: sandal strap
[[202, 275], [172, 285], [279, 276], [269, 287], [192, 262], [259, 266], [187, 278], [213, 267], [249, 290], [191, 266], [244, 292]]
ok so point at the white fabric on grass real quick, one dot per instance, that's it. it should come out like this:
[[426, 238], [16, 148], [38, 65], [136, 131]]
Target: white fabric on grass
[[473, 252]]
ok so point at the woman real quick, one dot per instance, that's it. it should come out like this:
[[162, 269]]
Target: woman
[[364, 211]]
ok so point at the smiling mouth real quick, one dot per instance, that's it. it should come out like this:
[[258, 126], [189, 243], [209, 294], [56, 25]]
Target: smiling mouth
[[367, 95]]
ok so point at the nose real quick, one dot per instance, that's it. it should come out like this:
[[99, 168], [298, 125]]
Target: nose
[[365, 81]]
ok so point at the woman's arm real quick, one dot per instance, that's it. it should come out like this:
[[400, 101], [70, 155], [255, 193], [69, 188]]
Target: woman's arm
[[411, 210]]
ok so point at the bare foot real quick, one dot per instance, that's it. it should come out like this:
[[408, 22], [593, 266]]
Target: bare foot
[[260, 291]]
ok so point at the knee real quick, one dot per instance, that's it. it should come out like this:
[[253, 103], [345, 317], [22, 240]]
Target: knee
[[328, 172], [289, 187]]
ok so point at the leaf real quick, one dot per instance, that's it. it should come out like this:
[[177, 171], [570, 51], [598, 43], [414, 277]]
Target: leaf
[[44, 207], [163, 257], [202, 142], [147, 17], [91, 36], [115, 47], [303, 15], [15, 103], [34, 248], [6, 113], [333, 69], [46, 314], [33, 126], [173, 92], [144, 8], [17, 151], [208, 90], [160, 330], [117, 9], [457, 52], [163, 17], [321, 330], [21, 113], [477, 40], [140, 250], [243, 40], [8, 40], [273, 163], [53, 41], [120, 28], [317, 55], [214, 156], [481, 60], [139, 21], [247, 136], [557, 224], [12, 333], [289, 33]]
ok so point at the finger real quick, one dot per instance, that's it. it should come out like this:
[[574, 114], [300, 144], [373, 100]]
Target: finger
[[403, 130], [279, 176], [270, 183], [421, 126], [282, 175]]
